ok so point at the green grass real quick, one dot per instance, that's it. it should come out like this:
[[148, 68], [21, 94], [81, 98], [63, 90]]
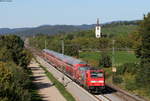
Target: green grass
[[59, 86], [121, 57]]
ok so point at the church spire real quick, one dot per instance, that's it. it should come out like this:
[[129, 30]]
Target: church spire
[[98, 29], [97, 21]]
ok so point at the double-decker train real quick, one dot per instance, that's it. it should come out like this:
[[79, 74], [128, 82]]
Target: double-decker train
[[79, 71]]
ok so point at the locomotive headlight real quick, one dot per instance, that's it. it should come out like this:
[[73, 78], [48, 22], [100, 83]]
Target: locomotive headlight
[[101, 81], [93, 81]]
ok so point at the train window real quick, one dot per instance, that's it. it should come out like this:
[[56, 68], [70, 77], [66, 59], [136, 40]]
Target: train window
[[83, 68], [82, 62], [96, 74]]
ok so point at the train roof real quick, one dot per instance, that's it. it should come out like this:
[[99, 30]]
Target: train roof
[[65, 58]]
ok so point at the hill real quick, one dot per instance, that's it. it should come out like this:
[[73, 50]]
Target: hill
[[8, 30], [45, 29], [56, 29]]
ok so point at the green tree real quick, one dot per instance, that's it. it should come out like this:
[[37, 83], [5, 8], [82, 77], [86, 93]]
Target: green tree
[[105, 60], [72, 50], [143, 52], [12, 48], [13, 83]]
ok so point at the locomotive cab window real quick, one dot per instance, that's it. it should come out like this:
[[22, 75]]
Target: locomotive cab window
[[83, 68], [97, 74]]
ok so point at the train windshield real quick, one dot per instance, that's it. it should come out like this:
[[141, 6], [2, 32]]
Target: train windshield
[[97, 74], [84, 68]]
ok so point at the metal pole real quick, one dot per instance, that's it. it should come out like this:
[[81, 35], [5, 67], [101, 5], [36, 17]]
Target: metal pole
[[113, 59], [45, 48], [113, 53], [62, 46], [45, 44]]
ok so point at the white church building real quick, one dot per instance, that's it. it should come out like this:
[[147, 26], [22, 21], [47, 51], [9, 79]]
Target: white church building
[[98, 30]]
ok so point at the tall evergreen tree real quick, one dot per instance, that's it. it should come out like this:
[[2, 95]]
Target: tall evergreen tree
[[144, 52]]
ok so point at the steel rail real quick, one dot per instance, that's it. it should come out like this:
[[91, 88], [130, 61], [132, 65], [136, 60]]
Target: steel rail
[[96, 96]]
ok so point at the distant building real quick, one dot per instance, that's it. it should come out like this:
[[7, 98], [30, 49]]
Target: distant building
[[98, 30]]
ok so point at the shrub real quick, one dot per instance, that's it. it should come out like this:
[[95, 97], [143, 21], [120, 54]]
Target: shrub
[[117, 79], [13, 83], [105, 60], [130, 85], [127, 68]]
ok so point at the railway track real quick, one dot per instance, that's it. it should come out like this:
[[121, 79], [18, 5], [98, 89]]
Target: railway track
[[100, 97]]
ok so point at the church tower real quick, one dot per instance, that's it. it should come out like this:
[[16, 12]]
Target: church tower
[[98, 30]]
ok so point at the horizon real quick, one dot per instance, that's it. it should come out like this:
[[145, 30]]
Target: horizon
[[33, 13], [64, 24]]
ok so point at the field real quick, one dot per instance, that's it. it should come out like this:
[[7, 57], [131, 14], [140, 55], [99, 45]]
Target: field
[[121, 57]]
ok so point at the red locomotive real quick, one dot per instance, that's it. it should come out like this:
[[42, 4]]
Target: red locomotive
[[79, 71]]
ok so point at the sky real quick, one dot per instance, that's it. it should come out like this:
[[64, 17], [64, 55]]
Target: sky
[[32, 13]]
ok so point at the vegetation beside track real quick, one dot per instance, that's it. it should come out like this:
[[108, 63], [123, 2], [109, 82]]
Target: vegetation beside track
[[15, 78], [127, 65], [58, 85]]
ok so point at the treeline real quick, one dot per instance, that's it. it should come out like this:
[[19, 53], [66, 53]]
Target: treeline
[[116, 23], [85, 40], [15, 80]]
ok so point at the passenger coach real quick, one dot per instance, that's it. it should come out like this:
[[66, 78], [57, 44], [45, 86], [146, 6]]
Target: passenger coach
[[79, 71]]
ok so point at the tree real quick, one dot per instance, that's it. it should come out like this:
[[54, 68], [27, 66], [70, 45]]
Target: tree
[[135, 39], [12, 48], [72, 50], [13, 83], [14, 80], [105, 60], [104, 43], [143, 52], [145, 40]]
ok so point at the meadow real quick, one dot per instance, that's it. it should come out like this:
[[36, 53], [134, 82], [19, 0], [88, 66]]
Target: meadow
[[120, 57]]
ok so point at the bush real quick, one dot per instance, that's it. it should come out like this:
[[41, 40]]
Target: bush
[[142, 77], [117, 79], [4, 99], [13, 82], [130, 85], [12, 49], [72, 50], [127, 68], [105, 60]]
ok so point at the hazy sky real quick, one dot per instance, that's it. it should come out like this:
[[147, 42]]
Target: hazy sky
[[27, 13]]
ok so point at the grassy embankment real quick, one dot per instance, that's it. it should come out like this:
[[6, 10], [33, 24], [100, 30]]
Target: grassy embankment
[[58, 85]]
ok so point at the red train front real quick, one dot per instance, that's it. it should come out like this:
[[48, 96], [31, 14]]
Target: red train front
[[79, 71], [92, 79], [96, 81]]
